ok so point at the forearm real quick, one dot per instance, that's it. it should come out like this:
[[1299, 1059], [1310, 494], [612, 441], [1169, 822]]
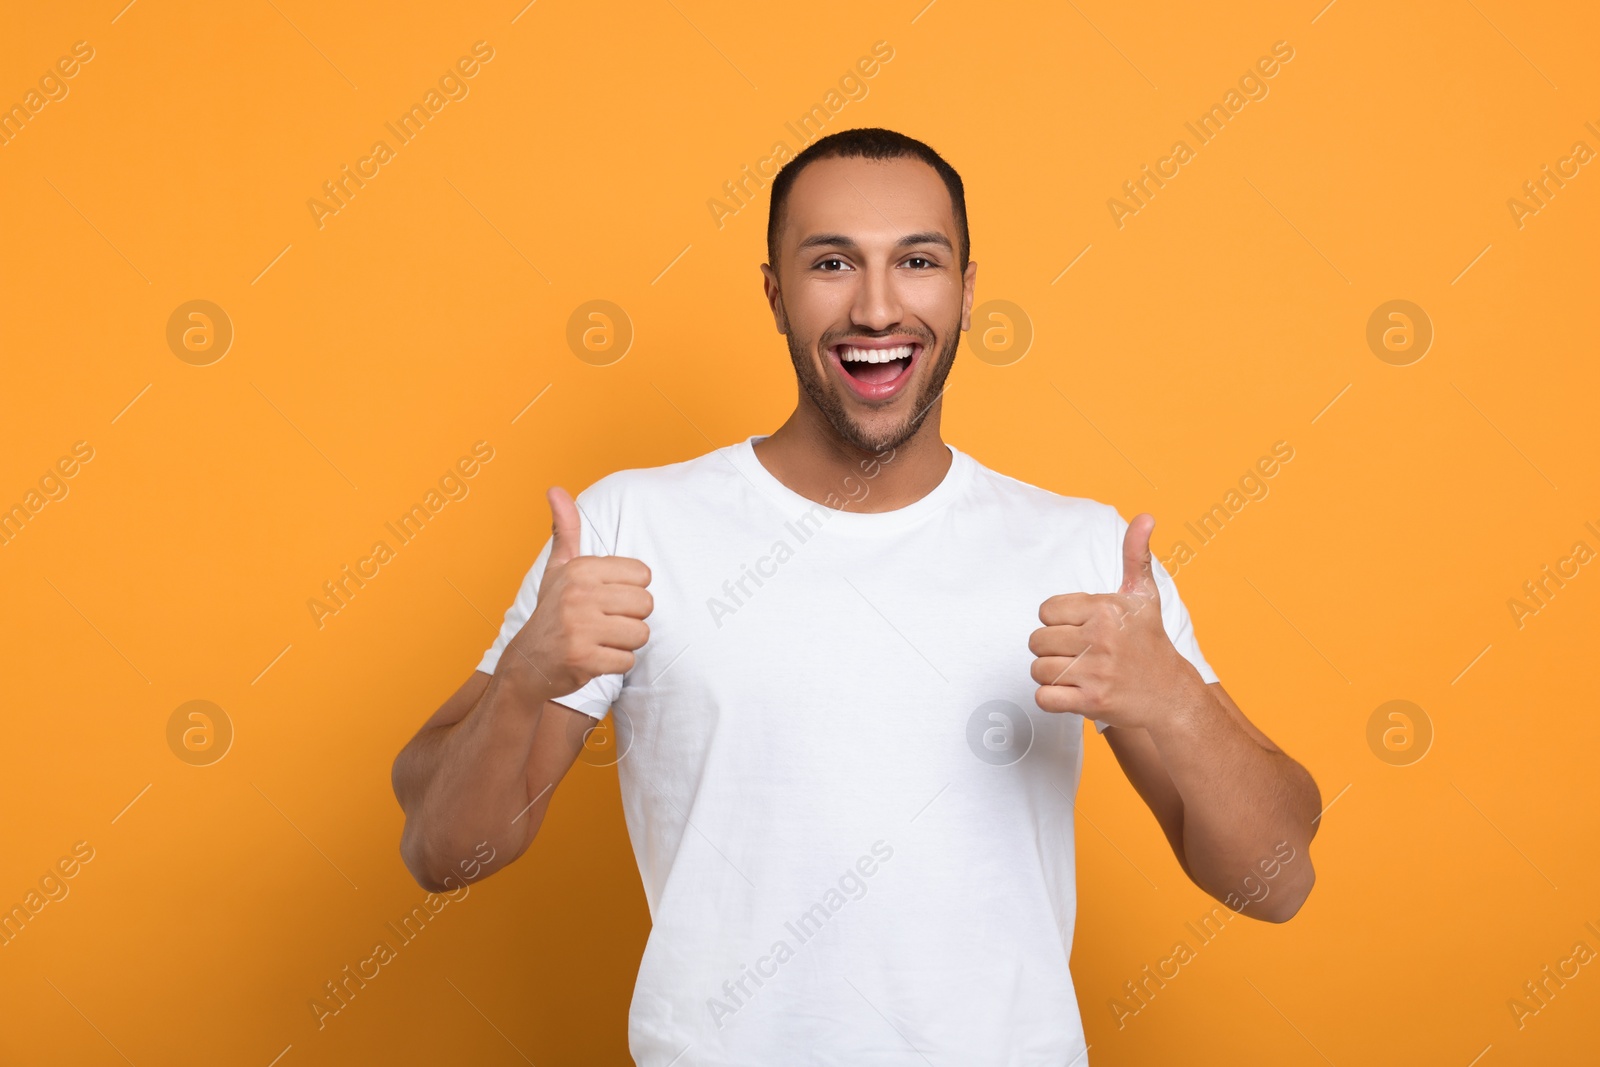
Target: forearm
[[1248, 811], [466, 783]]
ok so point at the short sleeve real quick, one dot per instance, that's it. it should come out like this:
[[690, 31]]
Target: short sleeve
[[1174, 615], [595, 698]]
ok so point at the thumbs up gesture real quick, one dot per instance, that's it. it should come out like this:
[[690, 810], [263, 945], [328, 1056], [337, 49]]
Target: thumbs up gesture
[[589, 617], [1107, 655]]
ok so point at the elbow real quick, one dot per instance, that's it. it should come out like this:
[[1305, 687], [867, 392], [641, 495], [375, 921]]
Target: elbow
[[1281, 906], [414, 855]]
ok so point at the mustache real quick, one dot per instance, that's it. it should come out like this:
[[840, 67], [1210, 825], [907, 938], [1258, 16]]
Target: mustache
[[923, 338]]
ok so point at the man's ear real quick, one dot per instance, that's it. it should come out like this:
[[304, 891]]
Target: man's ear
[[969, 284], [774, 294]]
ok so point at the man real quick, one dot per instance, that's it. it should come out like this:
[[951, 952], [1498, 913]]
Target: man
[[851, 750]]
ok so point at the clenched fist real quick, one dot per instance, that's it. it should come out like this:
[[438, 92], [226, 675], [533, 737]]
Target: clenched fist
[[589, 618], [1106, 655]]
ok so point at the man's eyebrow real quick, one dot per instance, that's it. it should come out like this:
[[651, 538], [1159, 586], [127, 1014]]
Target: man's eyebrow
[[839, 240]]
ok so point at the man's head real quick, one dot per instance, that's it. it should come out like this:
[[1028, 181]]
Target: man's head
[[870, 281]]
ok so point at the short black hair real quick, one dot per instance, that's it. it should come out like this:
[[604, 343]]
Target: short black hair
[[867, 143]]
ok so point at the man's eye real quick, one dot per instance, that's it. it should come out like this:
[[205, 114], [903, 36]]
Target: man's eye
[[921, 259], [825, 262]]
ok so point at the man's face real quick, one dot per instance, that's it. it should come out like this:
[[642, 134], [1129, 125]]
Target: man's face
[[869, 292]]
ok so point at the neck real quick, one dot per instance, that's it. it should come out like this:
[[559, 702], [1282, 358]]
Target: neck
[[809, 457]]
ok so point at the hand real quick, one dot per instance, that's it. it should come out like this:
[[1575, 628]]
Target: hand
[[1107, 655], [589, 618]]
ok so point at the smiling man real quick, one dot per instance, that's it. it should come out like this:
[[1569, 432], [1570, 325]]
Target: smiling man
[[848, 747]]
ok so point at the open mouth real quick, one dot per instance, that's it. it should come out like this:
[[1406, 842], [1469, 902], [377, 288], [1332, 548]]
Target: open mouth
[[876, 372]]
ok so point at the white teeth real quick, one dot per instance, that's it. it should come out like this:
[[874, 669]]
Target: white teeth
[[875, 355]]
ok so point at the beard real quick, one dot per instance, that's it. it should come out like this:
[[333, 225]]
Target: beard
[[833, 409]]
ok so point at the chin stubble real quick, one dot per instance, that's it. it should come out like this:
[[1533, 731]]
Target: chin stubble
[[833, 409]]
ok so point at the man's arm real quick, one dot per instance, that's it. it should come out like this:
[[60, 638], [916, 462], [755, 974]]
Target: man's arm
[[1238, 812], [482, 769]]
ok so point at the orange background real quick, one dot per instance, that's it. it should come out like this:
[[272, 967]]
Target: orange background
[[369, 354]]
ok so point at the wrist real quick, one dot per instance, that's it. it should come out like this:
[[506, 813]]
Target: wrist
[[1188, 714], [522, 680]]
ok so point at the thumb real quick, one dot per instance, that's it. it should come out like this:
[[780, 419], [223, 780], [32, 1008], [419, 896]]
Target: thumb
[[1138, 575], [563, 526]]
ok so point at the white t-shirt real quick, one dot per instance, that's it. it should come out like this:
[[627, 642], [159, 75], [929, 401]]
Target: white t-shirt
[[853, 825]]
